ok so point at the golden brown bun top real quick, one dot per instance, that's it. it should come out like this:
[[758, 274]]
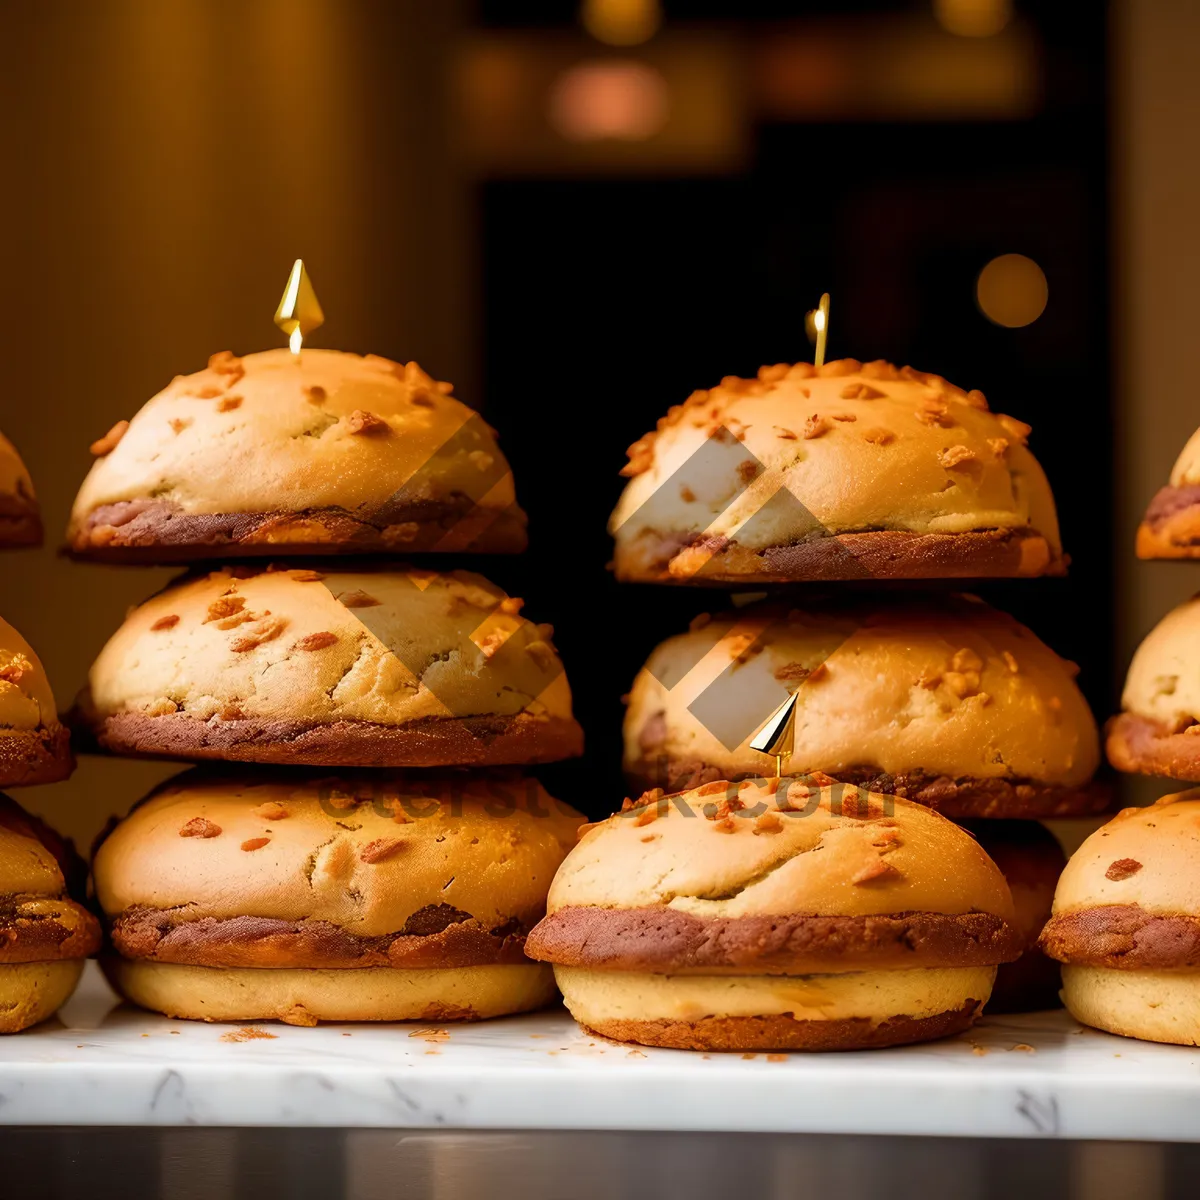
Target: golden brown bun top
[[699, 853], [29, 854], [26, 701], [387, 646], [14, 478], [947, 686], [1162, 681], [362, 851], [862, 446], [1146, 856], [290, 443]]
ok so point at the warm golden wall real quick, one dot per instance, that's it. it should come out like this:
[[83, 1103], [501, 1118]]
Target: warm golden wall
[[1156, 177], [163, 165]]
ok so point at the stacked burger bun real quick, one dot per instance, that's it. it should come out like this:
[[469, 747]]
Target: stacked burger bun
[[845, 471], [385, 855], [1126, 923], [913, 709], [20, 515], [1160, 705], [777, 915], [45, 933], [345, 899]]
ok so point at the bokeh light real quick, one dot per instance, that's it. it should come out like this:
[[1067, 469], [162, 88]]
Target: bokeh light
[[621, 100], [621, 22], [1012, 291], [973, 18]]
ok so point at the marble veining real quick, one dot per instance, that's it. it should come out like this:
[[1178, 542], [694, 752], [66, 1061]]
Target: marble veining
[[1042, 1075]]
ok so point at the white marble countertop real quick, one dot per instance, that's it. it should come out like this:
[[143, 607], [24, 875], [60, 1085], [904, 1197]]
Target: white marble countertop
[[1030, 1076]]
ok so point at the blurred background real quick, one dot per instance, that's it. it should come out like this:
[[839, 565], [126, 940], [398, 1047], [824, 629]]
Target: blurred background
[[579, 212]]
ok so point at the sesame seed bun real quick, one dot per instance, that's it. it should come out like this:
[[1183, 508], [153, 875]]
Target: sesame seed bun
[[331, 453], [366, 668], [1171, 526], [847, 471], [240, 896], [34, 746], [20, 516], [45, 935], [944, 701], [1156, 732], [690, 908], [1126, 923]]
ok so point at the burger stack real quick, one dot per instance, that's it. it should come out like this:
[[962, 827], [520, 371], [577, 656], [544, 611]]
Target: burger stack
[[45, 933], [360, 842], [837, 906], [1126, 923]]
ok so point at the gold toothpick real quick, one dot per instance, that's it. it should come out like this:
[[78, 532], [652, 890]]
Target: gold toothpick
[[299, 311], [817, 323], [778, 735]]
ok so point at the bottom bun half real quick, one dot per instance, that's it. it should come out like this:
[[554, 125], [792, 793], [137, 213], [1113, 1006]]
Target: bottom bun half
[[33, 992], [299, 996], [1154, 1006], [850, 1011]]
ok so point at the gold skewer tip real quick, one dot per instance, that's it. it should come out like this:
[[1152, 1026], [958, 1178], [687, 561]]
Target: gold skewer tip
[[817, 323], [778, 734], [299, 311]]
